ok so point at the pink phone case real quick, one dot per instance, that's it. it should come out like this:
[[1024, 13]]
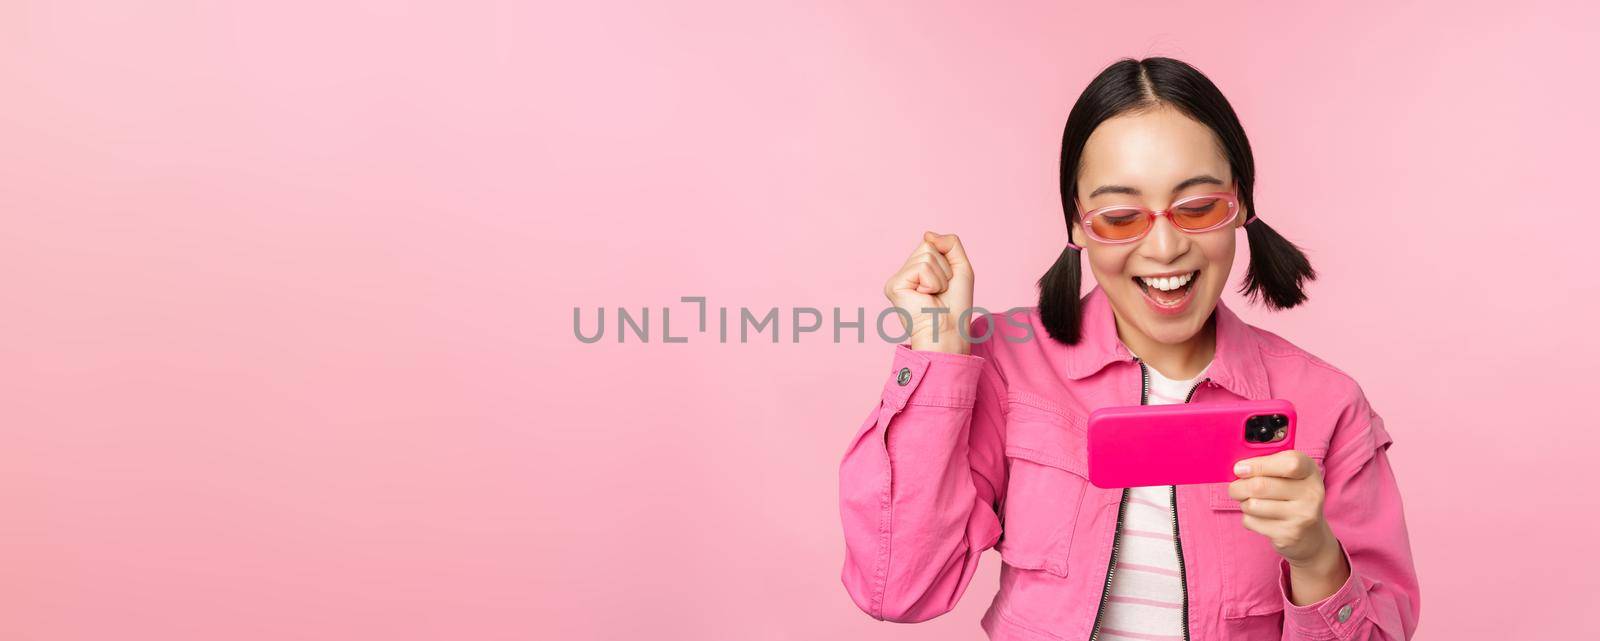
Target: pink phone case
[[1177, 444]]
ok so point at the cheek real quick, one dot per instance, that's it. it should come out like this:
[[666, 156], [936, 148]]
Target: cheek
[[1109, 264], [1219, 256]]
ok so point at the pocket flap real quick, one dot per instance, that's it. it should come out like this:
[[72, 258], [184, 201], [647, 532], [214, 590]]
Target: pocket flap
[[1046, 433]]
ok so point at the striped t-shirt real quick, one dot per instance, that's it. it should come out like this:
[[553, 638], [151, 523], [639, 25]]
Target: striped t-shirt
[[1146, 596]]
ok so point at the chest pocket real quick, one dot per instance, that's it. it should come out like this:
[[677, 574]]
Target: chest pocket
[[1047, 475], [1249, 562]]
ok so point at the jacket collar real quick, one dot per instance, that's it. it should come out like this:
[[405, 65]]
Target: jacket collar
[[1236, 366]]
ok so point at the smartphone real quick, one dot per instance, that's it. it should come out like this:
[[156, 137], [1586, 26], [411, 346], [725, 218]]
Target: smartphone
[[1184, 443]]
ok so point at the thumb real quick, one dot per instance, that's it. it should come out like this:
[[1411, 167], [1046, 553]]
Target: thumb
[[950, 246]]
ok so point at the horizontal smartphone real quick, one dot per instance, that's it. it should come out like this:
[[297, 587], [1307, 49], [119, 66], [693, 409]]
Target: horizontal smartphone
[[1184, 443]]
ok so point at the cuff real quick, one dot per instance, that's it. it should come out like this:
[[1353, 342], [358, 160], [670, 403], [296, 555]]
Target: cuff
[[1336, 617], [932, 378]]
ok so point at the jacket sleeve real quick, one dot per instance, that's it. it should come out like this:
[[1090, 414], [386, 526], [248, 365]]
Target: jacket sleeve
[[920, 484], [1380, 600]]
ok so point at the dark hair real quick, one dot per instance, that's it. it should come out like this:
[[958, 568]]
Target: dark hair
[[1277, 267]]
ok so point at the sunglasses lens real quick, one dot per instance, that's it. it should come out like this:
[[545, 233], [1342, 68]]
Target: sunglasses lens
[[1119, 224], [1201, 213]]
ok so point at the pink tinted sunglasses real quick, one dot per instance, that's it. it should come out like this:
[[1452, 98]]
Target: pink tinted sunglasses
[[1118, 224]]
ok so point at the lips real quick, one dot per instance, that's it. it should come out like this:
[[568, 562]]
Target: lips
[[1168, 294]]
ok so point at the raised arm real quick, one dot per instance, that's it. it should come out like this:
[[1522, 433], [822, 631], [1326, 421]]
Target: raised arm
[[920, 484]]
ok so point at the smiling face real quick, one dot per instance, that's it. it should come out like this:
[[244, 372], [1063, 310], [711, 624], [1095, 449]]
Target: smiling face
[[1165, 285]]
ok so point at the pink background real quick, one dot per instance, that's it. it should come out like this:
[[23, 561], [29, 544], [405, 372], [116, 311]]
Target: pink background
[[287, 346]]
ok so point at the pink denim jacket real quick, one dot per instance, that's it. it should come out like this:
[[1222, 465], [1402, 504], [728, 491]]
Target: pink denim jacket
[[968, 452]]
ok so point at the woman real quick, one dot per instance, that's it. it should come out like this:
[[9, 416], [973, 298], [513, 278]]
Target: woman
[[979, 438]]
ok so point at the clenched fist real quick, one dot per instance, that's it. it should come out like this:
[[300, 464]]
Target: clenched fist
[[937, 275]]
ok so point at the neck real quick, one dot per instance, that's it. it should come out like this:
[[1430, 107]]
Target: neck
[[1177, 361]]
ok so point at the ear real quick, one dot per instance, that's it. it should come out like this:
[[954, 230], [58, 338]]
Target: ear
[[1071, 241]]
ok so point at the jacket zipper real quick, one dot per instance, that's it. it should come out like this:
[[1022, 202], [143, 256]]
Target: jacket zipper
[[1177, 542], [1122, 506]]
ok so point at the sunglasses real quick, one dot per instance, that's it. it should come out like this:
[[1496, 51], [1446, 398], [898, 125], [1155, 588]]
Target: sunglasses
[[1118, 224]]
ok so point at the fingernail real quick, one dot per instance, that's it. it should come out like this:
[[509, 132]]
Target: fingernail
[[1241, 469]]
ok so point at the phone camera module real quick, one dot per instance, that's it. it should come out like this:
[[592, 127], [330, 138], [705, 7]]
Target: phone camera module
[[1266, 428], [1257, 429]]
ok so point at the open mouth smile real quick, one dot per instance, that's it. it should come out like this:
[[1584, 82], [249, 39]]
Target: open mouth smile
[[1169, 293]]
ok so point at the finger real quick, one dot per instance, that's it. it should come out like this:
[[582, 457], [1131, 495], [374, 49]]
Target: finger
[[927, 252], [950, 246], [908, 279], [1265, 487], [922, 247], [1265, 527], [1290, 464], [929, 280], [942, 262], [1268, 509]]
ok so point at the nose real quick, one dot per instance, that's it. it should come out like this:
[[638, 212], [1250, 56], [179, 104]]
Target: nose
[[1164, 243]]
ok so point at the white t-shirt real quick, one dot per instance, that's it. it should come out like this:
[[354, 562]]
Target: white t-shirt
[[1146, 596]]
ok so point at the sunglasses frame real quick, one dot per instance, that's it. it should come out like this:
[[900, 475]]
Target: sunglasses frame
[[1231, 198]]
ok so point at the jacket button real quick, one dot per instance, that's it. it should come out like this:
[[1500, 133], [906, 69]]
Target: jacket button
[[1344, 614], [904, 376]]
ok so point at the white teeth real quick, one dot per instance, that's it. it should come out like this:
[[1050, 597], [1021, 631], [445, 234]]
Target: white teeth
[[1169, 283]]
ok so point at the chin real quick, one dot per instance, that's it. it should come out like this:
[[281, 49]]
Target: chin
[[1172, 332]]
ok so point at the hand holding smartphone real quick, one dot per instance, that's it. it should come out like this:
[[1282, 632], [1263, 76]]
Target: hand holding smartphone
[[1185, 443]]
